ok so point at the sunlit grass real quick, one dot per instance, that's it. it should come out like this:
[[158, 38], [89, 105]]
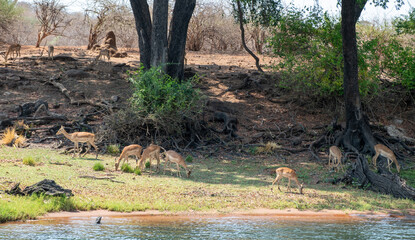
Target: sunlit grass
[[223, 185]]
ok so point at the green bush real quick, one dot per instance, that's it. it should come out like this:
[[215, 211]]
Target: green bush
[[127, 168], [148, 164], [98, 167], [189, 159], [164, 101], [29, 161], [113, 149], [310, 44], [137, 171]]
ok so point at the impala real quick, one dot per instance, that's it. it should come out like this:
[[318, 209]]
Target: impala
[[103, 53], [152, 151], [384, 151], [131, 150], [172, 156], [335, 157], [14, 48], [80, 137], [51, 49], [290, 174]]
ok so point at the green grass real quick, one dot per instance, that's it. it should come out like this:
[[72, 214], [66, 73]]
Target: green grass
[[127, 168], [98, 167], [29, 161], [222, 184]]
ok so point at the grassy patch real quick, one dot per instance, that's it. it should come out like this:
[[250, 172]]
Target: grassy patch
[[127, 168], [29, 161], [98, 167], [224, 184]]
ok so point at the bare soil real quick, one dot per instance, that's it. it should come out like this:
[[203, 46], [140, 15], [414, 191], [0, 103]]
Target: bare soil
[[231, 82]]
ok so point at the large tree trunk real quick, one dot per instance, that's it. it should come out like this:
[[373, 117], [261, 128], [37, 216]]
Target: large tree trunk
[[357, 136], [143, 25], [183, 10], [159, 33]]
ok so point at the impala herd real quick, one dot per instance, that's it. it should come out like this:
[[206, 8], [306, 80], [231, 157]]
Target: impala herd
[[170, 156]]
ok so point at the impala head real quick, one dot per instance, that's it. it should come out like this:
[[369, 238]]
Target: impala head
[[61, 130], [189, 171]]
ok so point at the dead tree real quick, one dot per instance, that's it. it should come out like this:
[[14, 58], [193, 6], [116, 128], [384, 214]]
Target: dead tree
[[51, 16]]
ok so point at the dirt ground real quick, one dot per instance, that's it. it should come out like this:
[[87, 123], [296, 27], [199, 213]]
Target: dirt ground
[[264, 113]]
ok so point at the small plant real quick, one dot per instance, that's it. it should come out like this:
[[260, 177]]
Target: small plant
[[137, 171], [29, 161], [113, 149], [189, 159], [148, 164], [127, 168], [98, 167]]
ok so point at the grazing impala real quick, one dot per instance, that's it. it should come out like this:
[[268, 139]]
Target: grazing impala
[[51, 49], [131, 150], [335, 157], [152, 151], [14, 48], [384, 151], [172, 156], [80, 137], [290, 174]]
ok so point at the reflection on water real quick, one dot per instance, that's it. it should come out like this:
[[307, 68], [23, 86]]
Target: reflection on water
[[207, 228]]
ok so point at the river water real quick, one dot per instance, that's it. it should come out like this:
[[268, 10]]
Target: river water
[[265, 227]]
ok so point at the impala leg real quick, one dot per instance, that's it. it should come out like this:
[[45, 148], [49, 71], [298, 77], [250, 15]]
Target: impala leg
[[95, 147], [178, 170], [87, 150], [289, 185]]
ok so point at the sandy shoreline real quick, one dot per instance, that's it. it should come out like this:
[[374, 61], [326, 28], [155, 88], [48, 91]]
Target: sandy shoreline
[[285, 214]]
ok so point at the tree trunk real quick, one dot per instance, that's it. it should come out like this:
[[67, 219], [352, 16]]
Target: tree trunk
[[241, 26], [143, 25], [93, 37], [159, 33], [183, 10], [357, 136]]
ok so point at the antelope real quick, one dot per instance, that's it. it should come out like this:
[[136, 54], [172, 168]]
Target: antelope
[[80, 137], [103, 53], [172, 156], [131, 150], [290, 174], [335, 157], [384, 151], [13, 48], [152, 151], [51, 49]]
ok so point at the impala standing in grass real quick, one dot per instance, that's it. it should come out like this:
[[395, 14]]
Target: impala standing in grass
[[80, 137]]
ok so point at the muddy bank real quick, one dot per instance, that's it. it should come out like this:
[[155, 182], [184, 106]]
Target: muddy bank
[[286, 214]]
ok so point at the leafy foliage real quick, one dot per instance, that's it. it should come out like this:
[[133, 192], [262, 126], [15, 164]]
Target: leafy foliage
[[164, 101], [8, 12], [113, 149], [259, 12], [405, 24], [310, 43]]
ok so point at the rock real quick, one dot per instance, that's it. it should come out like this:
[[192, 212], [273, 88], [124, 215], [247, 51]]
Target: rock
[[47, 187], [77, 73]]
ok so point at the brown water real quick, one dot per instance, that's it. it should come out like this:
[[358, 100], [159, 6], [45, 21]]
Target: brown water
[[267, 227]]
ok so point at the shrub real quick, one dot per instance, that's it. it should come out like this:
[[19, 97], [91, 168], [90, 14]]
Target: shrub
[[113, 149], [127, 168], [98, 167], [310, 43], [10, 137], [137, 171], [164, 102], [29, 161], [189, 159]]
